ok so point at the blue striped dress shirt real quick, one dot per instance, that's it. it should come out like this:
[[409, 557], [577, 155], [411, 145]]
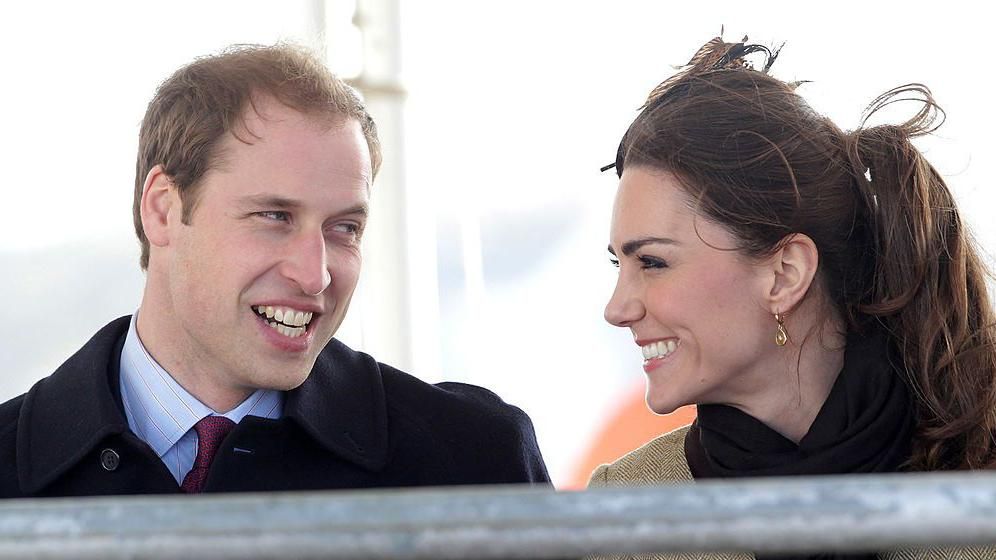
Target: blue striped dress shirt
[[163, 414]]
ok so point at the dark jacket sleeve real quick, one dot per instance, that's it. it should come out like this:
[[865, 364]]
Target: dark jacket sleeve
[[9, 411]]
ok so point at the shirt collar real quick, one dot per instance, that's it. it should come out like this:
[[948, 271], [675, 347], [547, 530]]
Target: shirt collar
[[160, 411]]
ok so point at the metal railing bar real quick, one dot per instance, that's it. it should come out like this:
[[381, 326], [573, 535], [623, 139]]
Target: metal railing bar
[[800, 514]]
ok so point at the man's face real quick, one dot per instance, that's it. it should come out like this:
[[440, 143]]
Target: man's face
[[248, 302]]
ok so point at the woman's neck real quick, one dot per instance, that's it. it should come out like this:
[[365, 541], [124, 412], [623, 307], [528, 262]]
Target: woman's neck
[[804, 373]]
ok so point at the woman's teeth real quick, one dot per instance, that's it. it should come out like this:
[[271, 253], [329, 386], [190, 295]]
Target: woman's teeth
[[658, 349]]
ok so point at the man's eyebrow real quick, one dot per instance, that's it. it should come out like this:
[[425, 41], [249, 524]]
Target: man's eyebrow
[[284, 203], [270, 201], [362, 209], [631, 247]]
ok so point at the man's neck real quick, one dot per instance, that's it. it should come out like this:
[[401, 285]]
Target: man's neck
[[154, 334]]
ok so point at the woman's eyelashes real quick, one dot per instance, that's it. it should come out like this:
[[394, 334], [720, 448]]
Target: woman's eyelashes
[[646, 262]]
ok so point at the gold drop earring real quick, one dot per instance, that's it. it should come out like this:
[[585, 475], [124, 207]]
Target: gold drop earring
[[781, 335]]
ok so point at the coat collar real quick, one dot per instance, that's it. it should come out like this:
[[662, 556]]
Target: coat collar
[[64, 416], [67, 414], [342, 405]]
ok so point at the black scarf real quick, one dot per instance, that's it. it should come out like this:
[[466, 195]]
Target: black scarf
[[865, 425]]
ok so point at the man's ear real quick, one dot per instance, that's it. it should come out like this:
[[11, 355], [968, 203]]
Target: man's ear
[[793, 268], [159, 197]]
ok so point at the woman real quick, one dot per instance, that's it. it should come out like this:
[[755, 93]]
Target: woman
[[812, 290]]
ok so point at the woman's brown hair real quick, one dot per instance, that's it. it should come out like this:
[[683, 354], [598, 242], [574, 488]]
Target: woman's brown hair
[[894, 253]]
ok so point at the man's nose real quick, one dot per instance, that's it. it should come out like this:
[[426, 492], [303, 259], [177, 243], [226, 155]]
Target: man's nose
[[306, 263], [624, 307]]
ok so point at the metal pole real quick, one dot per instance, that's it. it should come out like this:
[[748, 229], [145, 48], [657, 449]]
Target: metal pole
[[772, 515]]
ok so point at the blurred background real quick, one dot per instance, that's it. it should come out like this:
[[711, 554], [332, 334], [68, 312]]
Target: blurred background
[[485, 261]]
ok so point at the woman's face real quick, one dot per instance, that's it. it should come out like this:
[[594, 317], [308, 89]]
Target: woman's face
[[694, 306]]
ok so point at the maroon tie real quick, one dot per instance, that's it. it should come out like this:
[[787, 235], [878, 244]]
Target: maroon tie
[[210, 431]]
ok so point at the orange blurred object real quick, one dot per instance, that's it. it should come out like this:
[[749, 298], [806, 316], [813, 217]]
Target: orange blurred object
[[628, 427]]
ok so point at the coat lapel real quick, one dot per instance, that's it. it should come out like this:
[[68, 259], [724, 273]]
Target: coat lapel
[[65, 415], [342, 406]]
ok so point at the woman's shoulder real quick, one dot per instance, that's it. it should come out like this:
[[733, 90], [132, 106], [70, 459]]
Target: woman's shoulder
[[661, 459]]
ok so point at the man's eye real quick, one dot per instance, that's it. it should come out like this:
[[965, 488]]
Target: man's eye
[[348, 228], [277, 215]]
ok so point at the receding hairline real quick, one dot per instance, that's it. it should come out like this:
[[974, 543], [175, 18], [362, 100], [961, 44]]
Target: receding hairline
[[255, 105], [260, 103]]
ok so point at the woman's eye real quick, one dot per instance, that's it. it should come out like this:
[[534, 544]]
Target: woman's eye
[[652, 262], [614, 262]]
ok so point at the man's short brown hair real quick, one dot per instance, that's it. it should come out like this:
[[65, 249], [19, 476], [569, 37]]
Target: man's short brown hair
[[201, 102]]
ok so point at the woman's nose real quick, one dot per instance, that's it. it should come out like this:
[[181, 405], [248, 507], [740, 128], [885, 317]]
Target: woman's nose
[[624, 307]]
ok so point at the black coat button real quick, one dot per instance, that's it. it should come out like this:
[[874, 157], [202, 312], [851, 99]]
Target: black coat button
[[109, 459]]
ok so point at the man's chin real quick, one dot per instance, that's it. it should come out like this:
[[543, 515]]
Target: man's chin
[[284, 383], [283, 377]]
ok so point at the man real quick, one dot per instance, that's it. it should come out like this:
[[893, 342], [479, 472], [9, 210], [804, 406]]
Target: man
[[251, 196]]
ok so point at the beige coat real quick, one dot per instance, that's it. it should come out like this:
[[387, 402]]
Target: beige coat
[[662, 460]]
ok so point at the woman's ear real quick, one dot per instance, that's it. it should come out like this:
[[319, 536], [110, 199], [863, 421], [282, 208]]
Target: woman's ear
[[158, 198], [793, 268]]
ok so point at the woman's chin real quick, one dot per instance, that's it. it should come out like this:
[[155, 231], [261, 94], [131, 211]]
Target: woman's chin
[[663, 404]]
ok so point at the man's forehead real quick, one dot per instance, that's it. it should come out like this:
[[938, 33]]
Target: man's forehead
[[283, 129]]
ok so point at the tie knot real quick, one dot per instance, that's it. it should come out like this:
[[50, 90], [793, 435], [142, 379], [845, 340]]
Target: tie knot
[[211, 430]]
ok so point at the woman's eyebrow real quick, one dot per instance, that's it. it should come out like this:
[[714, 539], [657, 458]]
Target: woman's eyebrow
[[631, 247]]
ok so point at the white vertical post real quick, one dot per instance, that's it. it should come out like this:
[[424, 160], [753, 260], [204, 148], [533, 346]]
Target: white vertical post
[[384, 295]]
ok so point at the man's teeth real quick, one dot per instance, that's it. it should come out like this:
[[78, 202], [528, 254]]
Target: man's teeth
[[658, 349], [292, 332], [288, 322]]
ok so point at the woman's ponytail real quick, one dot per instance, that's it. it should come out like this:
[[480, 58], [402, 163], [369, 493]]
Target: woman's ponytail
[[927, 287]]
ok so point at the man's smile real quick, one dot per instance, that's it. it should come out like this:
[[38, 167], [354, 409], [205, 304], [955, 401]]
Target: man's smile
[[285, 320]]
